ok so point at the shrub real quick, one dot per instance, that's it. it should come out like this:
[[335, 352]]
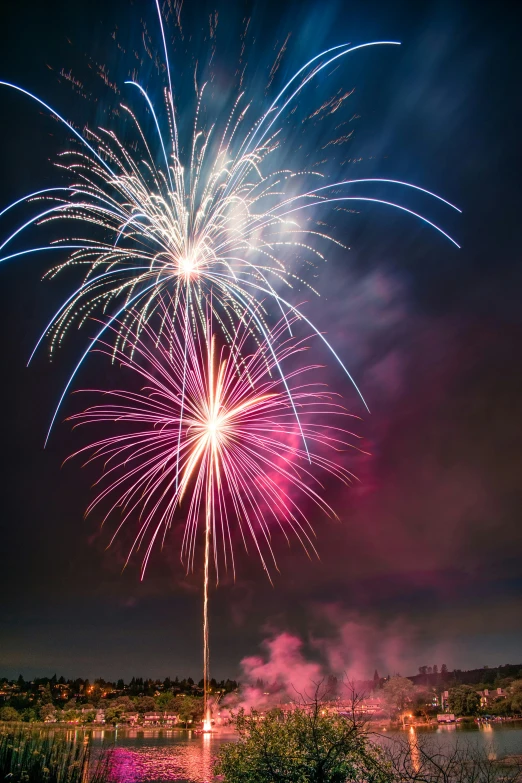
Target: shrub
[[9, 714], [308, 743]]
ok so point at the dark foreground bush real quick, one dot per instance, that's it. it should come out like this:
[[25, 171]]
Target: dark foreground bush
[[308, 744], [47, 756]]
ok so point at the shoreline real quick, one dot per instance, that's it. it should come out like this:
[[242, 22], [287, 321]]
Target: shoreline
[[373, 726]]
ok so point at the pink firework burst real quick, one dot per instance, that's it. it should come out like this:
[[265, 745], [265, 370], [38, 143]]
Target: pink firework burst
[[236, 436], [228, 433]]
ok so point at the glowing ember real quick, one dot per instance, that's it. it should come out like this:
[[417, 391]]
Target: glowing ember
[[188, 266], [207, 723]]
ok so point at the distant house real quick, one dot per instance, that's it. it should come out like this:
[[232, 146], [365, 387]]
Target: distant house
[[444, 699], [130, 717], [152, 718], [370, 706], [170, 718], [99, 717], [488, 696], [447, 717]]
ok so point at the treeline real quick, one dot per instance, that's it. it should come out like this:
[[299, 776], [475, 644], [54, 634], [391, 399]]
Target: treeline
[[486, 677], [123, 709], [61, 690], [137, 686], [58, 699]]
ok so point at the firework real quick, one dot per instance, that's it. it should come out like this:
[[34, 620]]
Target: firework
[[213, 436], [187, 250], [213, 228]]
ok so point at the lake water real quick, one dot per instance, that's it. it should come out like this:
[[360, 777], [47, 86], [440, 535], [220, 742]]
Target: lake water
[[157, 756]]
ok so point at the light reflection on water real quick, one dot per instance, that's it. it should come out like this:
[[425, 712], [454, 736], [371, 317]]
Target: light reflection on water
[[160, 755], [140, 756], [414, 749], [179, 762], [493, 740]]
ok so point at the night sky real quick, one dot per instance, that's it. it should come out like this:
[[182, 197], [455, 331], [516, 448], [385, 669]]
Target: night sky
[[425, 566]]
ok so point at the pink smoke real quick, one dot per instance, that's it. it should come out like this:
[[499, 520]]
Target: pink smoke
[[357, 647], [282, 675], [348, 648]]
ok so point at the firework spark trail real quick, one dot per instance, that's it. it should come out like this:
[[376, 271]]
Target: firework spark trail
[[240, 463], [213, 233], [206, 643]]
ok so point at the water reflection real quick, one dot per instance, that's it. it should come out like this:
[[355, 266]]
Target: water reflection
[[159, 755], [414, 750], [183, 762], [162, 755], [444, 728]]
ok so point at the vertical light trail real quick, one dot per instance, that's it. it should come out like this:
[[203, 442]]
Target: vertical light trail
[[211, 437], [206, 646]]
